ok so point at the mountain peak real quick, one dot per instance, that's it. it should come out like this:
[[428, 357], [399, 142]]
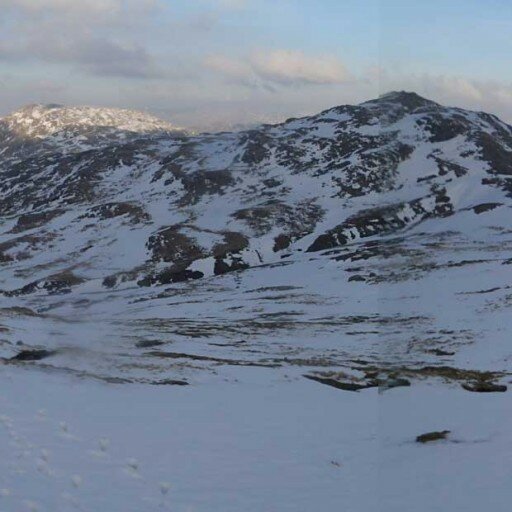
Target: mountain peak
[[408, 100], [38, 120]]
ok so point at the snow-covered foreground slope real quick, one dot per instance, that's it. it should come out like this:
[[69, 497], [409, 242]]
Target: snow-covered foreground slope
[[225, 447], [265, 320], [263, 444]]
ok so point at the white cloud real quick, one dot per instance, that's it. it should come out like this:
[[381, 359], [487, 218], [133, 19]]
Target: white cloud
[[232, 68], [294, 67], [93, 54], [449, 87], [64, 6], [99, 37], [80, 12], [281, 67]]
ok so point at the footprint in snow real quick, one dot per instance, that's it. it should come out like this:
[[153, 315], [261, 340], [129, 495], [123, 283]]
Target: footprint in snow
[[165, 487], [132, 468], [44, 468], [104, 444], [45, 454], [65, 433]]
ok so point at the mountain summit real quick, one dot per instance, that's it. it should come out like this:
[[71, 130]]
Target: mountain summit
[[409, 100]]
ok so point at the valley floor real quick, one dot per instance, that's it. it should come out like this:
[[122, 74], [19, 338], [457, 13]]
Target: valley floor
[[255, 445]]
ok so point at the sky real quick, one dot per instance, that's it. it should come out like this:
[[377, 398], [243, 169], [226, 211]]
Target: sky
[[214, 64]]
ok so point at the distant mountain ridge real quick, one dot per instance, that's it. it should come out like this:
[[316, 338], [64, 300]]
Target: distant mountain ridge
[[40, 120]]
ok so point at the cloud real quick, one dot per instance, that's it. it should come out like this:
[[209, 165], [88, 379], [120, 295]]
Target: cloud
[[280, 67], [237, 70], [64, 7], [448, 87], [94, 55], [71, 15], [294, 67], [103, 57], [489, 96], [98, 37]]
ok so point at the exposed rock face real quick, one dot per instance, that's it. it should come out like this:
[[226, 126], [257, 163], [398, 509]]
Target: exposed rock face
[[121, 198]]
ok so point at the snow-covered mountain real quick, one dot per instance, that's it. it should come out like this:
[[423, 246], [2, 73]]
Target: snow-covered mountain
[[119, 198], [107, 203], [43, 128], [274, 270], [40, 121]]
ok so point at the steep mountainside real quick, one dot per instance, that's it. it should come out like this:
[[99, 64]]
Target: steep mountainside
[[120, 198], [116, 225]]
